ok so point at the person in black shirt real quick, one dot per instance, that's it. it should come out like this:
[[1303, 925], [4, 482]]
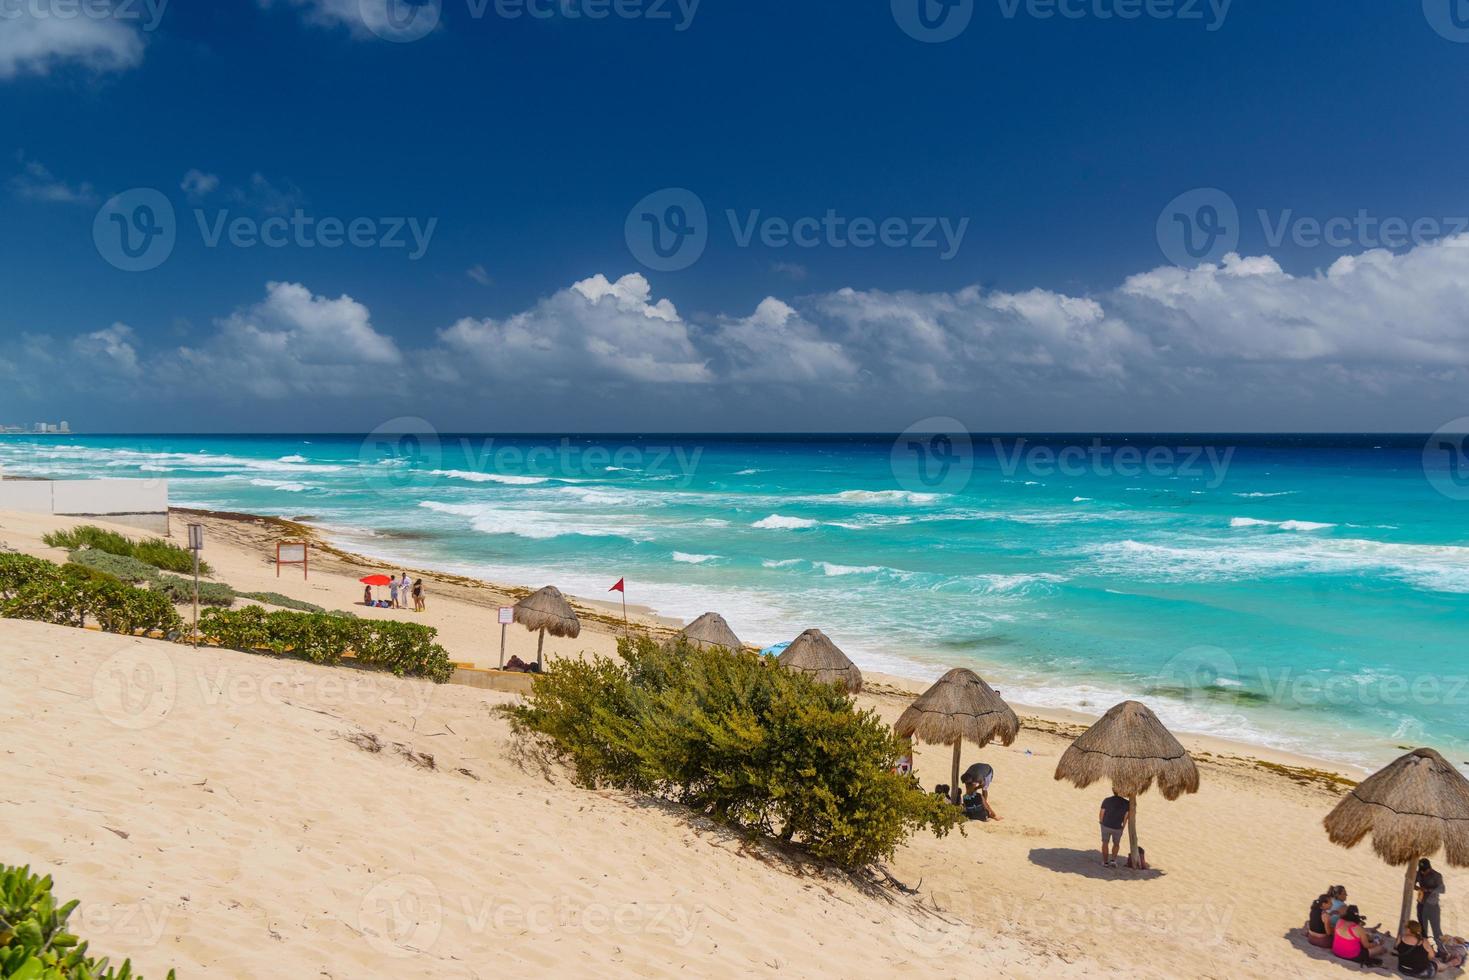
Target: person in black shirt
[[1113, 818], [1318, 929], [1430, 887], [1415, 956]]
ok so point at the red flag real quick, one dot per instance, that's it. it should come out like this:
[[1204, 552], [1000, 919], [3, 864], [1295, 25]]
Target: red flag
[[621, 586]]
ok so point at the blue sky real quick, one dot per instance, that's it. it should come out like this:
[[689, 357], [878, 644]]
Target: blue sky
[[1038, 154]]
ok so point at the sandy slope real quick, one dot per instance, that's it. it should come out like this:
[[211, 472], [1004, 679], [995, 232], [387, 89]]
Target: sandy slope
[[261, 842]]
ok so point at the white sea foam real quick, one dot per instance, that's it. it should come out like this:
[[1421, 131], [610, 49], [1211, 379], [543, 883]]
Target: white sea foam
[[750, 472], [778, 523], [780, 563], [882, 497], [533, 524], [836, 571], [281, 485], [1080, 500], [1259, 493], [292, 459], [1238, 522], [693, 559], [470, 476]]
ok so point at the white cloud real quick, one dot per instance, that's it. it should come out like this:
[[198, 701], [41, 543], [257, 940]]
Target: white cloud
[[295, 342], [199, 185], [776, 344], [31, 44], [597, 329], [366, 19], [112, 348], [36, 183], [479, 274]]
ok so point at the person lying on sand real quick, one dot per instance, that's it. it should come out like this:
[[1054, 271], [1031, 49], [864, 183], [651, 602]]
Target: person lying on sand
[[1454, 950], [1351, 941], [1318, 928], [1415, 954]]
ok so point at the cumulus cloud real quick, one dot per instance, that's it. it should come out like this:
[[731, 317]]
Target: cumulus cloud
[[199, 185], [36, 42], [295, 342], [112, 350], [37, 183], [366, 19], [776, 343], [598, 329]]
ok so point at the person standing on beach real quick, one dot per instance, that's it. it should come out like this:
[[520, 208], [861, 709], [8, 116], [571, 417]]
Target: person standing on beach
[[405, 587], [393, 592], [418, 605], [1113, 818], [1430, 888]]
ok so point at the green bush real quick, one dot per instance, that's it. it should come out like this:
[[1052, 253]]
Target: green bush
[[405, 649], [34, 943], [154, 551], [35, 589], [285, 602], [741, 740], [181, 590], [120, 567]]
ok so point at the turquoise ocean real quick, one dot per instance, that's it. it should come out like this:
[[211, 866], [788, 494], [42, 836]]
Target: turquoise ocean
[[1308, 593]]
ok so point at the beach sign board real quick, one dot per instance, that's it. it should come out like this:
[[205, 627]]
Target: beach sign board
[[292, 553], [507, 615]]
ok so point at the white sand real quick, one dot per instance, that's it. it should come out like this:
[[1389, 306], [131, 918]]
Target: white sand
[[260, 842]]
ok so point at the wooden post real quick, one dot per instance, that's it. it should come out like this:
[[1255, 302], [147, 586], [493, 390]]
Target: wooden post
[[954, 789], [502, 646], [1132, 832], [540, 642], [1409, 883], [196, 598]]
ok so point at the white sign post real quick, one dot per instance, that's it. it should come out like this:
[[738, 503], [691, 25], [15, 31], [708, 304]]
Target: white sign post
[[196, 545], [507, 616]]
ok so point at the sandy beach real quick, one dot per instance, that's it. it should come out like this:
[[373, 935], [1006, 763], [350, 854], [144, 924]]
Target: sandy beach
[[234, 824]]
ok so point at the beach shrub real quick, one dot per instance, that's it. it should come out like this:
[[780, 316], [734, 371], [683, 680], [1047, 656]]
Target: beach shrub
[[405, 649], [120, 567], [285, 602], [738, 739], [68, 595], [34, 941], [181, 590], [154, 551]]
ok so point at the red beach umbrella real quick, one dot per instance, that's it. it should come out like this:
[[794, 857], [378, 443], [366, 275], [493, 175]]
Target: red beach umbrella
[[376, 580]]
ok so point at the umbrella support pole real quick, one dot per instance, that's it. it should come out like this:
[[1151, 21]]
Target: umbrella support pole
[[954, 790], [1409, 883], [540, 643], [1132, 831]]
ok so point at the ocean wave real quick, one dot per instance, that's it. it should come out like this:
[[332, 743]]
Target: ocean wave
[[469, 476], [750, 472], [693, 559], [778, 523], [281, 485], [1080, 500], [882, 497], [837, 571], [292, 459], [1238, 522], [533, 524], [1258, 493], [780, 563]]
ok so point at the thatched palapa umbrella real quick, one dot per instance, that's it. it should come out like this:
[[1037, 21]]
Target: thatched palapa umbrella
[[960, 706], [813, 653], [547, 611], [710, 630], [1412, 808], [1130, 748]]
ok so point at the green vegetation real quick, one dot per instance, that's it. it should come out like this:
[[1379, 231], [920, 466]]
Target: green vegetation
[[120, 567], [762, 749], [181, 590], [154, 551], [34, 943], [35, 589], [405, 649], [285, 602]]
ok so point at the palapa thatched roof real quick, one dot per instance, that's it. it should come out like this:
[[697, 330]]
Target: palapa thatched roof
[[1413, 808], [710, 630], [1129, 748], [548, 610], [960, 707], [813, 653]]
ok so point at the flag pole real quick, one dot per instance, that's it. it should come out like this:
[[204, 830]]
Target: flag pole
[[626, 631]]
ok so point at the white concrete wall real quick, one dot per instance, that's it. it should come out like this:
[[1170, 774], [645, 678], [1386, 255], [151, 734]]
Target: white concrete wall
[[98, 497]]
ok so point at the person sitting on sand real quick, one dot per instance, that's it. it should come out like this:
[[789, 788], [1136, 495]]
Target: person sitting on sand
[[941, 791], [1318, 929], [1415, 955], [418, 605], [1351, 942], [976, 803], [1338, 895], [1454, 950], [1113, 818]]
